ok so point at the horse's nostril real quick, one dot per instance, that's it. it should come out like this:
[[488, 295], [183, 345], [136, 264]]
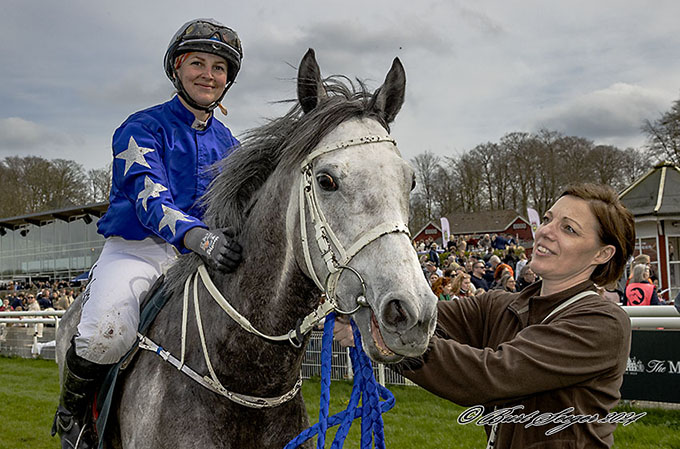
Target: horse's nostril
[[395, 314]]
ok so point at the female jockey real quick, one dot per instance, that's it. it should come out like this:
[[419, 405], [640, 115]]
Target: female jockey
[[161, 156]]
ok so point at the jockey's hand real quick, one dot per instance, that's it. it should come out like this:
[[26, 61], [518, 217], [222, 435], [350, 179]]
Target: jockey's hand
[[342, 332], [218, 248]]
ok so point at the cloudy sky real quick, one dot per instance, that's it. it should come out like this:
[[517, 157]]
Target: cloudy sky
[[74, 70]]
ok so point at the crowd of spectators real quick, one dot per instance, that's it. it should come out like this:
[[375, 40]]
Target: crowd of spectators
[[34, 296], [470, 265]]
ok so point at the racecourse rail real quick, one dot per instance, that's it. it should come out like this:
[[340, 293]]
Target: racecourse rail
[[641, 317]]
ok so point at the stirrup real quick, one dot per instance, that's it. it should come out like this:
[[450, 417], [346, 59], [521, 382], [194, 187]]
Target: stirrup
[[72, 434]]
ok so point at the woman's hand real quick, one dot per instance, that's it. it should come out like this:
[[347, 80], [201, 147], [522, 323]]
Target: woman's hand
[[342, 332]]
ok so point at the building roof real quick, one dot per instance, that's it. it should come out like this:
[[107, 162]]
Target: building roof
[[657, 192], [483, 222], [67, 214]]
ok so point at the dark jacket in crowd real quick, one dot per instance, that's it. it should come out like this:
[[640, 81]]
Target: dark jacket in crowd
[[479, 283]]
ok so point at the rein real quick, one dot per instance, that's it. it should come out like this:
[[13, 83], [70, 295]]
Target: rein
[[336, 259], [365, 388]]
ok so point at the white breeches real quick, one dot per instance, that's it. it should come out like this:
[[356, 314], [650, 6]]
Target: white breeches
[[124, 272]]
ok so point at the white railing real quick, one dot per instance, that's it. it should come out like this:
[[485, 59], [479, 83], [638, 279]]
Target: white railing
[[18, 317], [653, 317], [641, 317]]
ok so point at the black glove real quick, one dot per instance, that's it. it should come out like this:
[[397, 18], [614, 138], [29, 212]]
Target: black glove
[[217, 248]]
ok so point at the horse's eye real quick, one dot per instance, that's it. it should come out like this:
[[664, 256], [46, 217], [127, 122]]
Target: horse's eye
[[326, 182], [413, 183]]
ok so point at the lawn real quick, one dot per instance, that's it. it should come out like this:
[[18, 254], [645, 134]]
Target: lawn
[[29, 394]]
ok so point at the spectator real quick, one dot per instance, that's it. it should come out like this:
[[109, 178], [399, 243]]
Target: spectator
[[477, 276], [501, 269], [5, 307], [19, 301], [433, 255], [431, 269], [441, 287], [65, 301], [521, 263], [498, 242], [33, 305], [45, 301], [489, 274], [506, 283], [526, 278], [640, 292], [462, 287], [612, 293], [485, 242]]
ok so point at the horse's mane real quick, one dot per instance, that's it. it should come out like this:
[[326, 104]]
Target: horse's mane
[[283, 141]]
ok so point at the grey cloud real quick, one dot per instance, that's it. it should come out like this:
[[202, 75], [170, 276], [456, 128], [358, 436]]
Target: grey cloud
[[614, 112], [18, 133], [481, 21]]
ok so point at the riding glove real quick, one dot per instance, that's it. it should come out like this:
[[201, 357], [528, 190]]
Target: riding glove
[[218, 248]]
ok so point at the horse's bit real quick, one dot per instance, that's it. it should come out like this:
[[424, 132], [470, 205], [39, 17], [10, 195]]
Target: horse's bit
[[336, 260]]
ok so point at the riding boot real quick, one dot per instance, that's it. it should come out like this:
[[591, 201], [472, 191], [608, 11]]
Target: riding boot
[[73, 420]]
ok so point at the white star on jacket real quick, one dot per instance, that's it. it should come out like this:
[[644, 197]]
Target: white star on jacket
[[134, 155], [170, 218], [151, 190]]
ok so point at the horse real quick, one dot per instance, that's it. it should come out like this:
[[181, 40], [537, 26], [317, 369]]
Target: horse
[[319, 200]]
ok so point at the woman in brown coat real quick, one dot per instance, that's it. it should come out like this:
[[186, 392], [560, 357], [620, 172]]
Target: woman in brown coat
[[543, 366], [555, 352]]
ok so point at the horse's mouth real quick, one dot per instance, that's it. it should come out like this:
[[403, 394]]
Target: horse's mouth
[[378, 340]]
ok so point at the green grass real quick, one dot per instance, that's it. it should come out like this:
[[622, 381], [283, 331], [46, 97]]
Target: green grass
[[29, 394]]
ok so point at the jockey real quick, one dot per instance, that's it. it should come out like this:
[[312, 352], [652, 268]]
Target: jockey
[[160, 161]]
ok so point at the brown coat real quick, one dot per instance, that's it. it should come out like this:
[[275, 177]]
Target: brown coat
[[492, 350]]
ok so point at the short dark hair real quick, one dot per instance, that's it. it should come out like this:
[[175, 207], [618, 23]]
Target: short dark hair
[[616, 227]]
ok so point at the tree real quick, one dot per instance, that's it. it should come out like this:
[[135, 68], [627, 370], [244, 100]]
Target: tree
[[426, 166], [663, 135], [99, 183], [33, 184]]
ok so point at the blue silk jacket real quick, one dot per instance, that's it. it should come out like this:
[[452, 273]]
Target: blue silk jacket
[[160, 171]]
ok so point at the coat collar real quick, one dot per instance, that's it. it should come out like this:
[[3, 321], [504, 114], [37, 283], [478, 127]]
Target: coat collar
[[531, 308]]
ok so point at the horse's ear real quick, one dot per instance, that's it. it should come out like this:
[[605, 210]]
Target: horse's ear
[[309, 86], [389, 97]]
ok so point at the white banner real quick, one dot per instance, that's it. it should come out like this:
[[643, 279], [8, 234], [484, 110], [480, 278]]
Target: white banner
[[534, 220], [446, 231]]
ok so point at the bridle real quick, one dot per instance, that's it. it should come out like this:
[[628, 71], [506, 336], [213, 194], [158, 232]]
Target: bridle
[[336, 260], [334, 254]]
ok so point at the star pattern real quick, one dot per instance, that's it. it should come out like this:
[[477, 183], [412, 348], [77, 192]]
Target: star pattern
[[170, 218], [134, 155], [151, 190]]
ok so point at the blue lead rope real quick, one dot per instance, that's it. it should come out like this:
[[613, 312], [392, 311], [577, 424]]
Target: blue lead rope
[[365, 388]]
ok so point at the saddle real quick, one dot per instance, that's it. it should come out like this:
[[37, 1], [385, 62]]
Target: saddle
[[150, 305]]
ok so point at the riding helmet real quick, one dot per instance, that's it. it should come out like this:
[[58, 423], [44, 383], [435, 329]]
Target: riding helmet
[[208, 36]]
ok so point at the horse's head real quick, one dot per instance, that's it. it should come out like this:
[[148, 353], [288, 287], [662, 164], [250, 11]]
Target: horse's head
[[352, 218]]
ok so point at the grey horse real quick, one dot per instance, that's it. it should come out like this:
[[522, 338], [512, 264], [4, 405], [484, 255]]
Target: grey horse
[[362, 187]]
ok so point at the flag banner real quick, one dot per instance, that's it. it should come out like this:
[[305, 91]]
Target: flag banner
[[534, 219], [446, 231]]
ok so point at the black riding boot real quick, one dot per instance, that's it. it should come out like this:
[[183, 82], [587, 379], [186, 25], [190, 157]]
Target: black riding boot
[[72, 423]]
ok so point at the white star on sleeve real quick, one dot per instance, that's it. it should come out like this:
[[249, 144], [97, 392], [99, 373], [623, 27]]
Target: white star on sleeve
[[151, 190], [134, 154], [170, 218]]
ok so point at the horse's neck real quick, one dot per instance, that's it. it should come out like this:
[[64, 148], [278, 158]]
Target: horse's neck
[[271, 291]]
